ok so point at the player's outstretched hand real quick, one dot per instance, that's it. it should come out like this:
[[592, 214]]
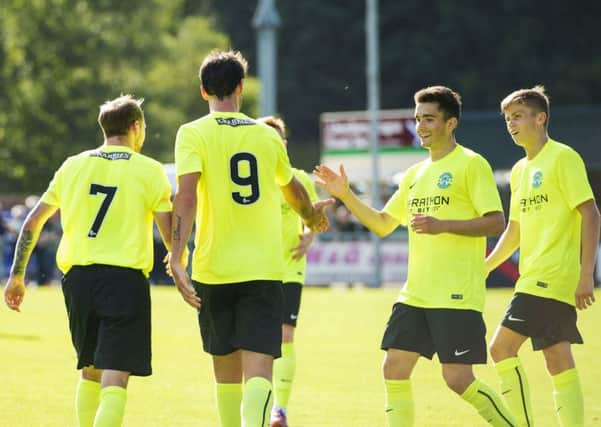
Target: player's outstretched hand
[[585, 293], [319, 222], [14, 291], [335, 184], [182, 282], [302, 248]]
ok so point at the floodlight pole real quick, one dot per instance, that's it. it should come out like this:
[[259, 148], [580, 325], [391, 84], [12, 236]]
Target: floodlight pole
[[266, 22], [373, 106]]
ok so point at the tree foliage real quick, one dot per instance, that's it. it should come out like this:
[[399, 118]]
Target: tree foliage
[[60, 59], [484, 50]]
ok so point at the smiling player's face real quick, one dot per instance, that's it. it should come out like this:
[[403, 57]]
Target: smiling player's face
[[432, 127]]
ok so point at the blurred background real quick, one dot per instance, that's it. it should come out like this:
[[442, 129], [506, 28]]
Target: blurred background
[[60, 59]]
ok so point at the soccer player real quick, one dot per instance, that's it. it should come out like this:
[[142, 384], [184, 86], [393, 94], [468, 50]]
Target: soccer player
[[296, 241], [554, 221], [450, 203], [230, 171], [107, 199]]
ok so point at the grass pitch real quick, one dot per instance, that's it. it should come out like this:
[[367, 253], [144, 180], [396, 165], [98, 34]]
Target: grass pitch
[[338, 381]]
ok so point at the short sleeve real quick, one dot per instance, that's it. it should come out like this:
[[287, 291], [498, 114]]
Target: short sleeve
[[308, 184], [396, 206], [482, 187], [162, 188], [187, 151], [573, 181], [52, 195], [283, 170], [514, 205]]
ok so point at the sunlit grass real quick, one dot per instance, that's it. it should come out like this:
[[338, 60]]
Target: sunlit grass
[[338, 375]]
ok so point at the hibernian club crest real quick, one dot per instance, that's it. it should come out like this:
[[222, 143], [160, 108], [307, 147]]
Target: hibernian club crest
[[537, 179], [445, 180]]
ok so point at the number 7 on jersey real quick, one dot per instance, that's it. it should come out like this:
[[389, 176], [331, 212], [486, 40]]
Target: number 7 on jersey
[[109, 194]]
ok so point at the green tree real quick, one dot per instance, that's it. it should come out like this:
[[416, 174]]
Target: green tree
[[482, 49], [60, 59]]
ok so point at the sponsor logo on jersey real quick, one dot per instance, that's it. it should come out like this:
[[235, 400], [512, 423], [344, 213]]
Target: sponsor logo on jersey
[[428, 204], [117, 155], [233, 121], [534, 202]]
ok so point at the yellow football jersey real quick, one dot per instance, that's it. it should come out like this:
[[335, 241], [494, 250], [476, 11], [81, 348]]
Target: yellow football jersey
[[446, 270], [545, 192], [242, 163], [106, 198]]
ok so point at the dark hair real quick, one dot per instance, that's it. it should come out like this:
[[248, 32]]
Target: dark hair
[[116, 116], [276, 123], [449, 102], [221, 72], [534, 98]]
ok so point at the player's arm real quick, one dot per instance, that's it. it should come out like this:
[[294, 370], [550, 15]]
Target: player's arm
[[163, 222], [338, 186], [313, 215], [489, 224], [28, 237], [505, 247], [589, 246], [184, 211]]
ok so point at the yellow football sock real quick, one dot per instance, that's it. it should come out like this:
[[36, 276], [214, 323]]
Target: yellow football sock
[[569, 403], [229, 399], [256, 402], [515, 390], [111, 408], [87, 397], [489, 405], [283, 374], [399, 403]]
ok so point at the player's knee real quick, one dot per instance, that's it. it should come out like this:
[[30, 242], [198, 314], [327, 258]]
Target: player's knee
[[394, 369], [499, 352], [558, 358], [458, 381], [91, 374]]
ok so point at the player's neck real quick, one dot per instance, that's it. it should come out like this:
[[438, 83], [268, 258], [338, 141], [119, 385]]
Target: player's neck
[[120, 140], [229, 104], [437, 152], [535, 146]]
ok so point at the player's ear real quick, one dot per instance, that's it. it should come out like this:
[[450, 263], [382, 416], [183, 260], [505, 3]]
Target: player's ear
[[136, 126], [541, 118], [452, 123], [240, 87], [204, 93]]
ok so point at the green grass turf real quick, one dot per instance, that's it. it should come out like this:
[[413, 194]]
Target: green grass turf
[[338, 379]]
